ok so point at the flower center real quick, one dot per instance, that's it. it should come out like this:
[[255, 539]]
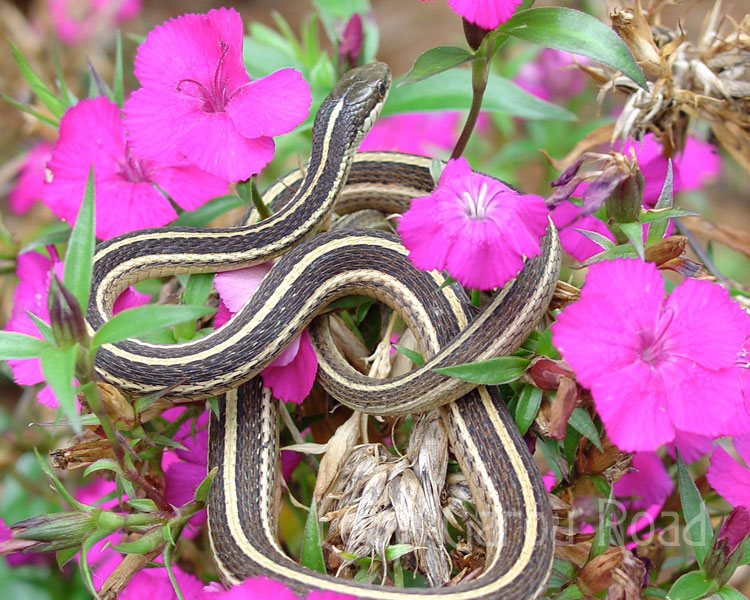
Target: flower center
[[214, 96], [134, 169], [653, 343], [476, 204]]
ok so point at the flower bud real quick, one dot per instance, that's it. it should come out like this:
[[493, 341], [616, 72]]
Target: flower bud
[[117, 407], [50, 532], [66, 317], [724, 558], [546, 373], [352, 41], [474, 34], [624, 202]]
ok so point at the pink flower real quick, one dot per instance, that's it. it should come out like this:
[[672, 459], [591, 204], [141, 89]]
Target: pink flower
[[155, 583], [184, 470], [476, 227], [691, 168], [292, 374], [727, 476], [553, 75], [488, 14], [126, 196], [263, 588], [80, 20], [648, 484], [415, 133], [197, 101], [34, 272], [28, 188], [654, 365]]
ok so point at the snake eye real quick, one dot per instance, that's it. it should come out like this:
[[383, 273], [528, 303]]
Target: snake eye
[[382, 88]]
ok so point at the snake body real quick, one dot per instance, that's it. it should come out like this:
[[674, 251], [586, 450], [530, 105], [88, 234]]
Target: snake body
[[505, 484]]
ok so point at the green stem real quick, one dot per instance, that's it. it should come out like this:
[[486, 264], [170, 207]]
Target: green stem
[[480, 70], [476, 297], [260, 206]]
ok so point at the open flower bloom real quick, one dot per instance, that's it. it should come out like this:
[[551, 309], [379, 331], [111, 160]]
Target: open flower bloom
[[655, 365], [78, 20], [198, 103], [125, 193], [475, 226], [34, 272], [488, 14], [291, 374], [729, 477], [28, 188]]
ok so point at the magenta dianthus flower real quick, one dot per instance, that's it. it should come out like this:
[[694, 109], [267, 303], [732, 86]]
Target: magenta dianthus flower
[[727, 476], [553, 75], [34, 272], [476, 227], [488, 14], [92, 133], [654, 365], [198, 103], [291, 374], [28, 188], [78, 20]]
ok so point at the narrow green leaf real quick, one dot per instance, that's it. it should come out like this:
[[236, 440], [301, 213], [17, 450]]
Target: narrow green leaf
[[622, 251], [59, 365], [44, 93], [103, 464], [117, 85], [603, 536], [451, 90], [312, 553], [414, 357], [88, 543], [58, 233], [528, 405], [436, 60], [201, 492], [80, 253], [19, 345], [729, 593], [634, 231], [197, 290], [694, 509], [570, 444], [64, 556], [143, 505], [67, 98], [397, 551], [602, 485], [493, 371], [580, 420], [64, 493], [168, 555], [666, 196], [597, 238], [34, 113], [141, 320], [206, 213], [689, 586], [574, 31], [656, 215]]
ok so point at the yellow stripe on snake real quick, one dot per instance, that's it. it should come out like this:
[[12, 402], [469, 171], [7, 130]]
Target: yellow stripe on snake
[[312, 271]]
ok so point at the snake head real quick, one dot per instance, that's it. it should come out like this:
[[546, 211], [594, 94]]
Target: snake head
[[364, 90]]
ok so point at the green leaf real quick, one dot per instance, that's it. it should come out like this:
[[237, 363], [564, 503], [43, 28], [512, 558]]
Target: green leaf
[[312, 553], [666, 196], [493, 371], [103, 464], [168, 555], [597, 238], [19, 345], [574, 31], [201, 492], [655, 592], [436, 60], [34, 113], [59, 365], [572, 592], [694, 509], [342, 9], [64, 493], [634, 231], [117, 86], [656, 215], [451, 90], [88, 543], [143, 505], [80, 253], [415, 357], [729, 593], [64, 556], [56, 106], [141, 320], [601, 541], [197, 290], [580, 420], [690, 586], [528, 405], [57, 233], [208, 212], [602, 485]]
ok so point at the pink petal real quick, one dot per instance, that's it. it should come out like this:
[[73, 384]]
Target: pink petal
[[566, 219], [650, 483], [155, 583], [742, 445], [699, 162], [631, 402], [236, 287], [692, 446], [423, 133], [488, 14], [293, 382], [188, 47], [28, 188], [258, 587], [27, 371], [122, 206], [289, 462], [130, 298], [222, 316], [189, 186], [272, 105], [729, 478], [418, 230]]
